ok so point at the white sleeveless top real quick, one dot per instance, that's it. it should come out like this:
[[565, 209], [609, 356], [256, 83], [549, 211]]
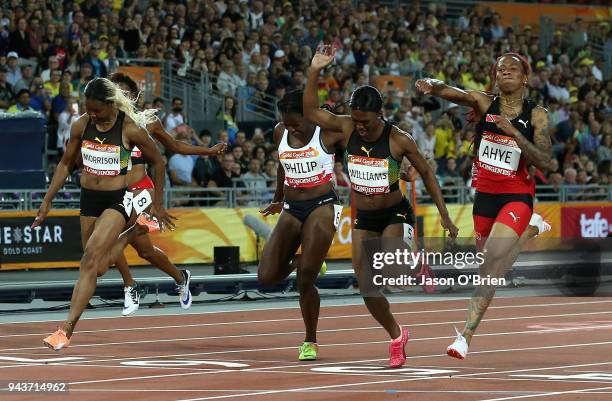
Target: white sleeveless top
[[309, 166]]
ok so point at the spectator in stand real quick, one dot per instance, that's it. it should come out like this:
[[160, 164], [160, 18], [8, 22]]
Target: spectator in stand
[[223, 178], [52, 64], [53, 84], [6, 93], [65, 119], [228, 115], [93, 58], [14, 72], [181, 168], [25, 82], [176, 116], [59, 103], [255, 183], [22, 102], [19, 40], [228, 82], [39, 98]]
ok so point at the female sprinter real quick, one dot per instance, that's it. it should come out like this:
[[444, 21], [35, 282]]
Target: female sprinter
[[374, 150], [137, 179], [310, 215], [511, 133], [105, 136]]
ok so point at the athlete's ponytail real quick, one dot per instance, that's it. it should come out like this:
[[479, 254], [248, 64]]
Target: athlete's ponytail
[[121, 78], [104, 90]]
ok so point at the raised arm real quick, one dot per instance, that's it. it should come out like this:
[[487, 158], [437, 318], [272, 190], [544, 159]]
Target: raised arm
[[139, 137], [475, 99], [62, 171], [409, 150], [323, 118], [538, 152], [157, 130]]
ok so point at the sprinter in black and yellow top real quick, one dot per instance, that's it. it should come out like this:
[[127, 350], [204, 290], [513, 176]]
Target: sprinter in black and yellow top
[[375, 150], [105, 137]]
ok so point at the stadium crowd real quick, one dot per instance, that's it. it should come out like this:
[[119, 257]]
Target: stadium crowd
[[259, 49]]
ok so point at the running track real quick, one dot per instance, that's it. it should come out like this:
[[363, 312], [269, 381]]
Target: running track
[[528, 348]]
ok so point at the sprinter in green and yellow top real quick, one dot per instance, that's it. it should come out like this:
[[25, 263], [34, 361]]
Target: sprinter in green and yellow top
[[374, 153]]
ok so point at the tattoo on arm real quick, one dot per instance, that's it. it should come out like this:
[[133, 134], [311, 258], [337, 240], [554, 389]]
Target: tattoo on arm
[[538, 153]]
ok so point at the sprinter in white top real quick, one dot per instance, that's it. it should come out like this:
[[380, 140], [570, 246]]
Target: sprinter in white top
[[305, 194]]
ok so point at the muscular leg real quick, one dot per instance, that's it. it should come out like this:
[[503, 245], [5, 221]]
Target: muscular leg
[[156, 257], [500, 243], [125, 238], [512, 256], [124, 269], [317, 235], [280, 248], [377, 305], [100, 235]]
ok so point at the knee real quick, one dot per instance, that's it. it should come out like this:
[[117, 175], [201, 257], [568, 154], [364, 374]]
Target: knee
[[264, 275], [101, 271], [306, 278], [90, 260], [305, 284], [146, 253]]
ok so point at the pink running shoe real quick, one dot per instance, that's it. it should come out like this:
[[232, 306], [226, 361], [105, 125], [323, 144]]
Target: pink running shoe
[[397, 351]]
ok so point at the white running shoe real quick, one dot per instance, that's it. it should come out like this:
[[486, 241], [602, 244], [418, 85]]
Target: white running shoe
[[131, 301], [459, 348], [183, 289], [540, 223]]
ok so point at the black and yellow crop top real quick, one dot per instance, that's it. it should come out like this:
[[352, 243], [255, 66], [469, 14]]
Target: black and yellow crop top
[[372, 168]]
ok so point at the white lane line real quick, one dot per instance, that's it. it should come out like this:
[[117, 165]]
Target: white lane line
[[247, 322], [359, 303], [283, 333], [586, 390]]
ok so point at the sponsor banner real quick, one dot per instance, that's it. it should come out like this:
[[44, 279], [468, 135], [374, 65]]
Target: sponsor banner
[[586, 221], [530, 14], [57, 242]]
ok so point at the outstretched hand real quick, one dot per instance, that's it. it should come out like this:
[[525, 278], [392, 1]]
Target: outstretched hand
[[323, 57], [219, 148], [273, 208], [42, 214], [424, 86]]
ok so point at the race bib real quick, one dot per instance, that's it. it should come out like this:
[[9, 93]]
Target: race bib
[[127, 202], [142, 201], [302, 168], [101, 159], [368, 175], [499, 154], [337, 215], [409, 235]]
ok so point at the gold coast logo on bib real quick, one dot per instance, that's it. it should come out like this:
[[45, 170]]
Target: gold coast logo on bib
[[302, 167], [100, 159], [369, 175]]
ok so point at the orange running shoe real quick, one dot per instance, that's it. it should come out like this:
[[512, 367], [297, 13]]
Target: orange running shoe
[[57, 340], [148, 221]]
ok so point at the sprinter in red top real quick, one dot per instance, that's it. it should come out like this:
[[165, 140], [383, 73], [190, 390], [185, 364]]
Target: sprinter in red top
[[511, 134]]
